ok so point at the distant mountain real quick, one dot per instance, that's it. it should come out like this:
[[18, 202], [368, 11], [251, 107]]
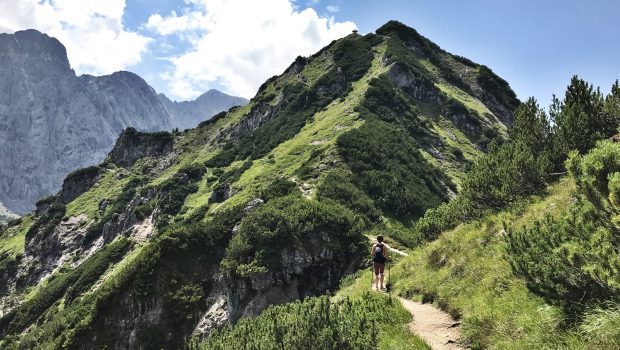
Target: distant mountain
[[52, 121], [188, 114]]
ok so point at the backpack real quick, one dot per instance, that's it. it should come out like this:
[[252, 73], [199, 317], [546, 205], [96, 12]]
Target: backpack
[[378, 254]]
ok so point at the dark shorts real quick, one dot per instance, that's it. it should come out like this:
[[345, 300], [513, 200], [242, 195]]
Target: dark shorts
[[378, 267]]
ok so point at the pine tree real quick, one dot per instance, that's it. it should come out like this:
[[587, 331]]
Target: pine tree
[[531, 127], [581, 121], [612, 108]]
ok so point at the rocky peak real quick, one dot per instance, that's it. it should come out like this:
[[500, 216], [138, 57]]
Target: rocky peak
[[35, 49]]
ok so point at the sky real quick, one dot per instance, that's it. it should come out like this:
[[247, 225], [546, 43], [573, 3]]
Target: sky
[[186, 47]]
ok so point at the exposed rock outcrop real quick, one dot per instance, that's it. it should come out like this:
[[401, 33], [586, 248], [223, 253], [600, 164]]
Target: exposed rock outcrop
[[77, 183], [132, 145], [307, 270]]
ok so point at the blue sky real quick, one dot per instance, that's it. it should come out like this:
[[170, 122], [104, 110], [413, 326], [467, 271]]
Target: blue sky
[[185, 47]]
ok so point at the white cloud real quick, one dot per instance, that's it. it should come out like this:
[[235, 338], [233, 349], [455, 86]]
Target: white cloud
[[239, 44], [333, 8], [91, 30]]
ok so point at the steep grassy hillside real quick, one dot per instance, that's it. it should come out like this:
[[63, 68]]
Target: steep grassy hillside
[[467, 273], [177, 234]]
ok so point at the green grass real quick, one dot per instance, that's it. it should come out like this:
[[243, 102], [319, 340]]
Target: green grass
[[467, 274], [400, 338], [108, 186], [327, 125], [463, 97], [317, 67], [13, 240]]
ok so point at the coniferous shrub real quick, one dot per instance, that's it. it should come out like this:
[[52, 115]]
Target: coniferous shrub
[[290, 221], [573, 261], [315, 323]]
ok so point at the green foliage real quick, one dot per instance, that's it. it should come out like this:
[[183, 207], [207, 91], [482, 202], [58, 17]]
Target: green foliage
[[143, 211], [291, 222], [390, 169], [233, 175], [279, 187], [465, 272], [611, 110], [402, 38], [352, 58], [116, 208], [509, 172], [48, 221], [580, 117], [574, 261], [337, 186], [384, 101], [49, 200], [71, 283], [601, 327], [531, 127], [174, 193], [495, 86], [316, 323], [84, 172]]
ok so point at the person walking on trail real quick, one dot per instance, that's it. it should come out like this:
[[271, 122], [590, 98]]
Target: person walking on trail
[[379, 253]]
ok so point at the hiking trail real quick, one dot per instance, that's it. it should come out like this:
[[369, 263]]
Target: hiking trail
[[435, 326]]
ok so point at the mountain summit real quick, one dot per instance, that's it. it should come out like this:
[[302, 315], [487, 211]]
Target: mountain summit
[[176, 234], [53, 122]]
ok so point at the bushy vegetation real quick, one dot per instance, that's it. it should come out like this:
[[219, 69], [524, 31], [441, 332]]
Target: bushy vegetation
[[116, 208], [71, 284], [174, 190], [317, 323], [495, 86], [538, 145], [279, 187], [337, 186], [584, 116], [385, 158], [292, 222], [352, 58], [465, 272], [573, 261]]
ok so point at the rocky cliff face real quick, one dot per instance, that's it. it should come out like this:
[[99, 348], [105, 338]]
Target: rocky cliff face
[[53, 122]]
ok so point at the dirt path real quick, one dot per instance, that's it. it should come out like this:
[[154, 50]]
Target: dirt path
[[436, 327]]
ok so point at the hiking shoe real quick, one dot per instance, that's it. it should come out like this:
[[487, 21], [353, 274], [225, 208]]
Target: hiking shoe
[[383, 289]]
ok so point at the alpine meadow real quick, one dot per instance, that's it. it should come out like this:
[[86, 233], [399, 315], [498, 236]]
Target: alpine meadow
[[253, 229]]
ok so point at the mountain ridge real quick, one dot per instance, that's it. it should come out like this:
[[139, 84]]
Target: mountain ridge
[[172, 236], [53, 121]]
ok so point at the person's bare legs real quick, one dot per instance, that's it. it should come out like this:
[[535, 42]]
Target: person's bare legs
[[376, 282], [381, 276]]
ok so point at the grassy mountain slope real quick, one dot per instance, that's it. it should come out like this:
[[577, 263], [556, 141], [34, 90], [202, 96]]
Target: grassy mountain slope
[[176, 234]]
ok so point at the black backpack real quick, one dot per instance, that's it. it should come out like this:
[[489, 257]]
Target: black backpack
[[378, 254]]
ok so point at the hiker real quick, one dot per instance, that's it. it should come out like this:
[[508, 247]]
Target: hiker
[[379, 253]]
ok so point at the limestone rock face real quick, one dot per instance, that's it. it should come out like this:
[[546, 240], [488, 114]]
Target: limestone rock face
[[53, 122]]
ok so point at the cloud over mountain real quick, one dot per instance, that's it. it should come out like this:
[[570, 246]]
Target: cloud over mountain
[[93, 32], [239, 44]]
